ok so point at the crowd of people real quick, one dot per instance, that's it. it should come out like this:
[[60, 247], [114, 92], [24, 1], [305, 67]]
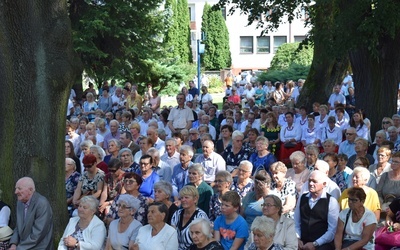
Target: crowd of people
[[261, 173]]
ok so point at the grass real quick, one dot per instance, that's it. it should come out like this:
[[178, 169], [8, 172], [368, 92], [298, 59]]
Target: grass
[[170, 101]]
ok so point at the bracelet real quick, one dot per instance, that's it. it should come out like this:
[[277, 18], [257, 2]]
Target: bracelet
[[77, 243]]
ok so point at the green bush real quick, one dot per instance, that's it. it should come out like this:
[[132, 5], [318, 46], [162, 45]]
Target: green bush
[[294, 72], [215, 84]]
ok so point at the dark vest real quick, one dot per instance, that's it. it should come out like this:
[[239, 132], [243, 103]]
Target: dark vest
[[2, 204], [314, 222]]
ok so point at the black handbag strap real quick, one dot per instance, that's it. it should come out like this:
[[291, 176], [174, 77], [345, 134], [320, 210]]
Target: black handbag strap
[[345, 224]]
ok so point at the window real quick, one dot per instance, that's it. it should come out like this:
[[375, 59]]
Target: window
[[192, 14], [263, 44], [223, 10], [246, 44], [278, 41], [299, 39]]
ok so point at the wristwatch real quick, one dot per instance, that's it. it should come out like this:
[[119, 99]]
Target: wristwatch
[[315, 244]]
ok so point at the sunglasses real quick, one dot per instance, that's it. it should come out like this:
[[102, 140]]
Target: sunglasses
[[386, 122], [122, 206]]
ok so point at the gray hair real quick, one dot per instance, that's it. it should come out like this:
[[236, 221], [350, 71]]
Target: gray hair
[[329, 141], [225, 175], [116, 142], [70, 161], [322, 166], [153, 152], [265, 225], [246, 163], [86, 143], [188, 149], [204, 225], [172, 140], [277, 202], [123, 151], [313, 148], [237, 133], [131, 201], [198, 168], [99, 151], [381, 133], [363, 171], [161, 132], [164, 186], [391, 128], [298, 155], [91, 201]]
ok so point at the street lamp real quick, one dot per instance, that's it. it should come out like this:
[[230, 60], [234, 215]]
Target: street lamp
[[200, 50]]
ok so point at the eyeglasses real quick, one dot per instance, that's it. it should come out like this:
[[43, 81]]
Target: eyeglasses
[[144, 163], [385, 122], [350, 133], [268, 205], [353, 200], [122, 206], [130, 182], [219, 181], [88, 166], [382, 155]]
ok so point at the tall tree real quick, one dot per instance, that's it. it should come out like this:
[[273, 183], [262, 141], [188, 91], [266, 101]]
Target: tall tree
[[363, 31], [217, 52], [37, 68]]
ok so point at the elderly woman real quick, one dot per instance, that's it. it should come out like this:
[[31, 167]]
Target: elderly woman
[[298, 173], [132, 183], [71, 182], [86, 231], [89, 107], [250, 143], [243, 183], [183, 217], [85, 150], [356, 224], [91, 182], [251, 203], [262, 159], [122, 232], [163, 193], [284, 187], [134, 100], [389, 185], [149, 176], [285, 233], [145, 144], [99, 153], [114, 146], [380, 137], [134, 128], [126, 157], [263, 229], [386, 123], [157, 235], [223, 182], [360, 178], [200, 232], [329, 146], [226, 139], [112, 185], [235, 153], [196, 175], [383, 164]]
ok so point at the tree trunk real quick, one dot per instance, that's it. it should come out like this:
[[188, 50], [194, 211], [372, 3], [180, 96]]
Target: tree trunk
[[376, 80], [37, 69]]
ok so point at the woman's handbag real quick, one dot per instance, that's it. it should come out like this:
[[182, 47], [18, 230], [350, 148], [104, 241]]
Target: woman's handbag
[[384, 237]]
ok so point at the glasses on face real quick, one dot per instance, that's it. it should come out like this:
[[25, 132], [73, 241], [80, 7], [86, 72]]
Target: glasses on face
[[385, 122], [268, 205], [353, 200], [382, 155], [129, 181], [219, 181], [123, 206], [144, 163], [88, 166]]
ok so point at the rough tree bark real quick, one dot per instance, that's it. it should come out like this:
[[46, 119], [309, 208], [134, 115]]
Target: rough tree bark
[[376, 80], [37, 69]]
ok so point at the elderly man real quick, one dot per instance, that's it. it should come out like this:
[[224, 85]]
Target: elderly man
[[211, 161], [361, 147], [159, 144], [251, 122], [336, 97], [127, 142], [180, 175], [171, 156], [348, 147], [34, 228], [144, 123], [114, 134], [160, 167], [316, 215], [181, 116], [312, 152], [205, 119], [394, 137], [330, 186]]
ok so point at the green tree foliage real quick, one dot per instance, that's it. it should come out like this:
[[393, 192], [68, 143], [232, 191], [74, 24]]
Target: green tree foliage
[[217, 52], [177, 37], [364, 32], [289, 53], [113, 38], [293, 72]]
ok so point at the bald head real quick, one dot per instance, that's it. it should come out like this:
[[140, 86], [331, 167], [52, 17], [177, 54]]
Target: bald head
[[322, 166], [24, 189]]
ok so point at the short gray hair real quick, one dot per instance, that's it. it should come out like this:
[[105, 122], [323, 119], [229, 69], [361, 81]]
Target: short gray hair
[[91, 201], [188, 149], [204, 225], [198, 168], [363, 171], [123, 151], [116, 142], [70, 160], [298, 155], [225, 175], [246, 163], [153, 152], [86, 143], [131, 201], [164, 186], [99, 151], [237, 133], [265, 225]]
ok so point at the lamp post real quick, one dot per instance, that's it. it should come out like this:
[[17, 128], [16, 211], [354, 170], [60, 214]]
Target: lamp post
[[200, 50]]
